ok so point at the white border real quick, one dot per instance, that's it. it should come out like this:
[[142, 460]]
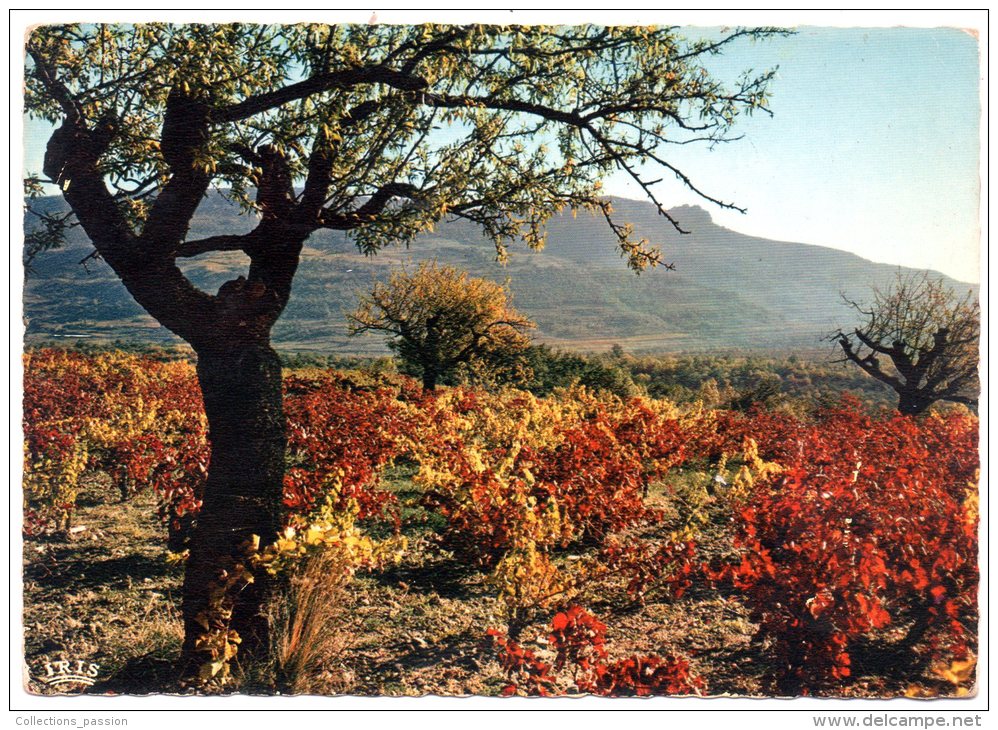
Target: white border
[[42, 707]]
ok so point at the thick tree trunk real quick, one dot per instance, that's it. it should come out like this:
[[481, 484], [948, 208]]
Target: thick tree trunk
[[911, 404], [240, 374], [241, 385], [429, 379]]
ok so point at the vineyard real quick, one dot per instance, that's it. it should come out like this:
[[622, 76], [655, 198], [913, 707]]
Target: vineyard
[[466, 541]]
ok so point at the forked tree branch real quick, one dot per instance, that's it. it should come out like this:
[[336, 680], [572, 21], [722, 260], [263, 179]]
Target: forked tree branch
[[869, 364]]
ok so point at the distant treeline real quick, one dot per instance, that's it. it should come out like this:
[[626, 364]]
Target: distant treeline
[[737, 381], [718, 380]]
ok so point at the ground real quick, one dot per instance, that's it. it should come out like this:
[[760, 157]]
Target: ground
[[107, 593]]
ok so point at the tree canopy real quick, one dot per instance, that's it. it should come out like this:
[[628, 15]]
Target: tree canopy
[[438, 318], [499, 125], [930, 337]]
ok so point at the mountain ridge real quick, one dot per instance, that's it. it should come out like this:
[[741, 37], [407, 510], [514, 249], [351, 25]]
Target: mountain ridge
[[729, 290]]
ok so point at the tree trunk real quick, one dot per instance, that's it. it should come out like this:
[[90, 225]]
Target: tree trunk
[[912, 404], [239, 373], [241, 385], [429, 378]]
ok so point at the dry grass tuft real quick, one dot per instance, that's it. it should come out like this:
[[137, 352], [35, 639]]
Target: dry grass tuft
[[309, 630]]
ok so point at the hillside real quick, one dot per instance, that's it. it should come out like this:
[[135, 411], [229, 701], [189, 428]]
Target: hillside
[[728, 290]]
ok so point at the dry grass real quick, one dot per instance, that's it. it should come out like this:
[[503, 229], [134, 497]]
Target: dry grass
[[310, 637], [106, 594]]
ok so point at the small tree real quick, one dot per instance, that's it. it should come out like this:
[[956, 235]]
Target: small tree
[[931, 338], [440, 318], [551, 369]]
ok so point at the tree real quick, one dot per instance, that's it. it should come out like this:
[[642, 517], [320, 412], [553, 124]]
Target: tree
[[930, 337], [377, 130], [551, 369], [439, 318]]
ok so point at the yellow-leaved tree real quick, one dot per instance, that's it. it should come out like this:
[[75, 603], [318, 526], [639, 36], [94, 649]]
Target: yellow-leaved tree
[[439, 318]]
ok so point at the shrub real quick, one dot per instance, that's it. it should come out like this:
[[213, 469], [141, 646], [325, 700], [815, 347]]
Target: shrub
[[870, 523], [579, 642]]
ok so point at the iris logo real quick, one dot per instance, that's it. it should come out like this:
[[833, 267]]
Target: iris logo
[[67, 672]]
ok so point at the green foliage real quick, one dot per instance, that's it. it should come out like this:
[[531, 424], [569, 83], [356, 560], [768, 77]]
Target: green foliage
[[804, 379], [541, 113], [553, 369], [727, 381], [369, 365]]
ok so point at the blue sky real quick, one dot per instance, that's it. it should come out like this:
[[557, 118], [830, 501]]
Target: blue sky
[[873, 147]]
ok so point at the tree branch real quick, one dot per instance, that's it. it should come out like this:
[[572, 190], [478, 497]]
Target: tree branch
[[871, 343], [752, 32], [450, 101], [965, 399], [216, 243], [315, 85], [185, 132], [939, 345], [72, 158], [318, 179], [869, 364], [46, 74], [370, 209]]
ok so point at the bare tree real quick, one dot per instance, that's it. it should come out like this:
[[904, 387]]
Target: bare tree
[[930, 337]]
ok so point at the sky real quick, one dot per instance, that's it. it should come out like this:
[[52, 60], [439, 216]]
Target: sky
[[873, 146]]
